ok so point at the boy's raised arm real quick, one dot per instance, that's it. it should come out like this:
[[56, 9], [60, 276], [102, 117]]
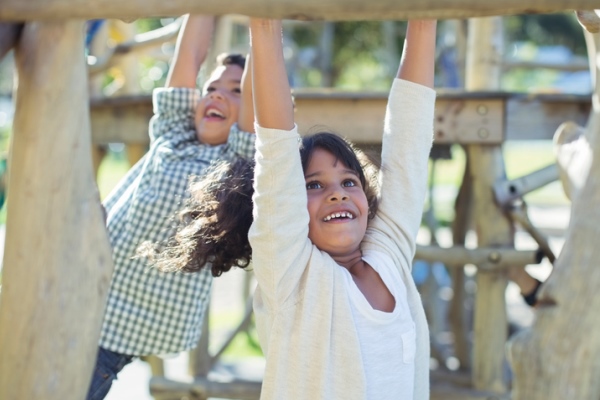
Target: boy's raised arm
[[418, 56], [191, 50], [273, 106]]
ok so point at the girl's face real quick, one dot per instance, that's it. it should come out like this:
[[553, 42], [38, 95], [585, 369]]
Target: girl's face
[[337, 205], [219, 108]]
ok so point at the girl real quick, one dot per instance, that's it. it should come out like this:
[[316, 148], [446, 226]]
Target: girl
[[337, 312]]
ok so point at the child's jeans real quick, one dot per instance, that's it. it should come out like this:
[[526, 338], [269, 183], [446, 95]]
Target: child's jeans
[[108, 365]]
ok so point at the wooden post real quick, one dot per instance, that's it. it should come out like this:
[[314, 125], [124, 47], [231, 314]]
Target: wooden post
[[491, 225], [459, 323], [57, 260], [557, 358], [131, 85]]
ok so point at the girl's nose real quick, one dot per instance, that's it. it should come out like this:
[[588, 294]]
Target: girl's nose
[[338, 195]]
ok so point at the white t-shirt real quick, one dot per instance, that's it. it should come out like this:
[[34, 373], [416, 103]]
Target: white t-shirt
[[387, 340]]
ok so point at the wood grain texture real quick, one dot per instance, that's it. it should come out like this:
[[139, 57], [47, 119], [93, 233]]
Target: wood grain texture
[[57, 260], [286, 9]]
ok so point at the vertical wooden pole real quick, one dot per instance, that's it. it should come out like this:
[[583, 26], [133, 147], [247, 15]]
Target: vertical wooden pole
[[130, 69], [492, 227], [57, 260], [459, 323]]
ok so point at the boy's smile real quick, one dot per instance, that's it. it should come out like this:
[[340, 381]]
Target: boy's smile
[[337, 205]]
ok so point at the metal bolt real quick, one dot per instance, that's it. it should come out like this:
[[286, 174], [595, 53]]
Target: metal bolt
[[482, 109], [483, 133], [494, 257]]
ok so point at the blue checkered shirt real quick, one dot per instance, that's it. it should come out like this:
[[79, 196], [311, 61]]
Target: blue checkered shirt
[[151, 312]]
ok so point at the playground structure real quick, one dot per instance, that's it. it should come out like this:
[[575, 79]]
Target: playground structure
[[71, 270]]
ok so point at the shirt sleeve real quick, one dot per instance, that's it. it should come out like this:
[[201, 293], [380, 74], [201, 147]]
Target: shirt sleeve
[[241, 143], [279, 234], [173, 111], [407, 139]]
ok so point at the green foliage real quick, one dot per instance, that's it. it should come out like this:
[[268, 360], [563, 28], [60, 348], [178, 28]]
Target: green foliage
[[358, 61], [546, 29], [150, 24]]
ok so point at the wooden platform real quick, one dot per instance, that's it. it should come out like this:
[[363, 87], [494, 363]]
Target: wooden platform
[[461, 117]]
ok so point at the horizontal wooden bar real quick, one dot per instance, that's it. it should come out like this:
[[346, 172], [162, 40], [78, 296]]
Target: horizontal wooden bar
[[205, 388], [485, 258], [461, 117], [287, 9]]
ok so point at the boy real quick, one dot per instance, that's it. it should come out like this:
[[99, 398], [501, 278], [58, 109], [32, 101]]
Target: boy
[[149, 312]]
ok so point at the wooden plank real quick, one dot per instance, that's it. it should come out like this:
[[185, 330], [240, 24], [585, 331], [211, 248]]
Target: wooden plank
[[287, 9], [57, 260], [460, 116], [536, 117]]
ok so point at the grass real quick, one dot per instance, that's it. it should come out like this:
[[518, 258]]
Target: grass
[[520, 158], [244, 345], [113, 167]]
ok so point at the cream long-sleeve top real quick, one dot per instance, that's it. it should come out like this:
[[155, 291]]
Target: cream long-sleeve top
[[304, 313]]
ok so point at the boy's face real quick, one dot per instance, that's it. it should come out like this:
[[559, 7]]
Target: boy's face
[[219, 107]]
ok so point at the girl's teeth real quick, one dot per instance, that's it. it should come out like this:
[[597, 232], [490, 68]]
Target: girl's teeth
[[338, 215]]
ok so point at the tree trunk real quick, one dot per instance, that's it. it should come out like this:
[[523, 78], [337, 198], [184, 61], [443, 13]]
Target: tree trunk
[[557, 358], [57, 261]]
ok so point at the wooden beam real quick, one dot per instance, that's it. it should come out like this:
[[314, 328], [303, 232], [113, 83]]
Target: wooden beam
[[287, 9], [57, 260], [461, 117]]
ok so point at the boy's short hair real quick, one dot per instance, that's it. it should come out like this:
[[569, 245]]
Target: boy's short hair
[[231, 59]]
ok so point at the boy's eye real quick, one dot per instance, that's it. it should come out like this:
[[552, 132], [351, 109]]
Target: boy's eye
[[349, 183], [313, 185], [237, 90]]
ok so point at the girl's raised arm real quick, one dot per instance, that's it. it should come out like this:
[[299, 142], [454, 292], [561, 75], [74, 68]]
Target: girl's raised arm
[[418, 56], [273, 106]]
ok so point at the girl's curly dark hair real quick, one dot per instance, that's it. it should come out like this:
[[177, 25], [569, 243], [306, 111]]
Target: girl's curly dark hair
[[214, 225]]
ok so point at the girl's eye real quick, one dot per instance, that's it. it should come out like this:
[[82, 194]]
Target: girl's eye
[[349, 183], [313, 185], [237, 90], [210, 89]]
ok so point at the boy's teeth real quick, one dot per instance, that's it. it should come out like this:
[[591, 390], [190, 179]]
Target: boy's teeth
[[214, 113]]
